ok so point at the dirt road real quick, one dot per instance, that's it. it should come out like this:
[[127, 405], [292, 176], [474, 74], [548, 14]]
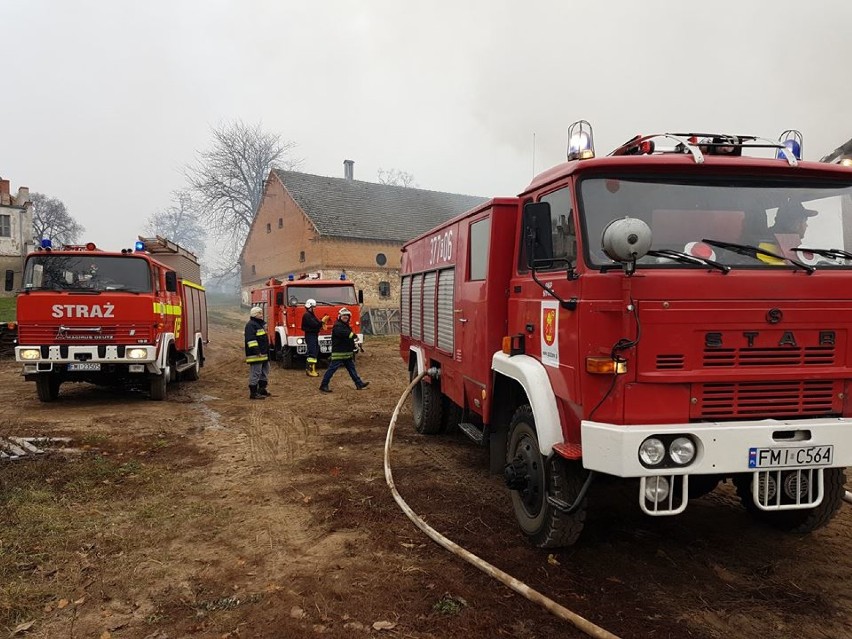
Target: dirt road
[[209, 515]]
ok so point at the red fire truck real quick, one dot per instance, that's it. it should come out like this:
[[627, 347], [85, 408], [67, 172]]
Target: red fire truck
[[136, 317], [283, 303], [676, 314]]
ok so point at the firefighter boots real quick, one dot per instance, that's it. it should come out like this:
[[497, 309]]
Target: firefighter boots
[[253, 394], [325, 389], [363, 386], [311, 370]]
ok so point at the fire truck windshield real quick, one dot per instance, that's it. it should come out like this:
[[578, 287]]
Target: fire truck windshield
[[779, 217], [324, 295], [86, 272]]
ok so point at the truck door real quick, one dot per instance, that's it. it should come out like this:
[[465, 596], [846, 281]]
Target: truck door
[[472, 305]]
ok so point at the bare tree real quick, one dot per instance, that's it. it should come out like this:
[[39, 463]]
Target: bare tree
[[51, 220], [395, 177], [180, 223], [227, 179]]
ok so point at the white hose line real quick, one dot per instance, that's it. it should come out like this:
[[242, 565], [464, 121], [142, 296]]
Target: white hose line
[[518, 586], [847, 497]]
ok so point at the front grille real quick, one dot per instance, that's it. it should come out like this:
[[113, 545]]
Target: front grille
[[112, 334], [670, 362], [755, 400], [730, 357]]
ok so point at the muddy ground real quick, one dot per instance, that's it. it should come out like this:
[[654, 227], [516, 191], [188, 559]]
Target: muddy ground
[[209, 515]]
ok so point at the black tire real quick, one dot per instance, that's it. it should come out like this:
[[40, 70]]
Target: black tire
[[797, 521], [426, 407], [451, 415], [286, 358], [159, 385], [47, 387], [543, 525], [192, 374]]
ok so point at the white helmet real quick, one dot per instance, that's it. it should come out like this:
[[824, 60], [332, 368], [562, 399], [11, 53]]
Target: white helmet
[[344, 311], [311, 303], [256, 311]]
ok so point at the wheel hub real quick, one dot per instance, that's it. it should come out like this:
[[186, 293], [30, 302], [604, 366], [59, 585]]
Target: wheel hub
[[524, 475]]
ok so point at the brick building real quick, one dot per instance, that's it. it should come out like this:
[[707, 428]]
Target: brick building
[[16, 231], [323, 226]]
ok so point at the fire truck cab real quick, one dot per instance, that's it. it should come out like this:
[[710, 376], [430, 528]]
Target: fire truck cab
[[283, 303], [675, 314]]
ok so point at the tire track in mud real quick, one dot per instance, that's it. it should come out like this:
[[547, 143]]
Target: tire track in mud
[[276, 437]]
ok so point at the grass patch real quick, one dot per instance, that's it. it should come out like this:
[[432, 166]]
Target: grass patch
[[7, 308]]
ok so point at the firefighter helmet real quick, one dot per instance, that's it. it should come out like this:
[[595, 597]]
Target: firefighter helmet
[[311, 303], [256, 311], [344, 311]]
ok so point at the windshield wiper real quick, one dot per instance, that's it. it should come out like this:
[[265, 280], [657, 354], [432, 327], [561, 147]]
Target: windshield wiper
[[835, 253], [686, 258], [754, 251]]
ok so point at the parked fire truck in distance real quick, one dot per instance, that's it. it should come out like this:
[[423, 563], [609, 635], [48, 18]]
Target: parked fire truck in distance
[[283, 303], [676, 316], [136, 317]]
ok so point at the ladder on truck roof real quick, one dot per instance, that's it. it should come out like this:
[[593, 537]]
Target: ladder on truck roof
[[697, 144], [183, 261]]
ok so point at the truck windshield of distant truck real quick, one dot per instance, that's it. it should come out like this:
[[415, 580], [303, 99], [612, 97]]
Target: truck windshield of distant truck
[[86, 272], [324, 295], [730, 213]]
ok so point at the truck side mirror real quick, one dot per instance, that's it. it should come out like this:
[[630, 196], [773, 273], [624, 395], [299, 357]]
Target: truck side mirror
[[279, 298], [171, 281], [538, 238], [10, 279], [360, 296]]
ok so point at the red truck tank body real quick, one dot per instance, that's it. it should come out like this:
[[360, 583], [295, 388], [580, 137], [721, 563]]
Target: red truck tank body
[[110, 318], [720, 350]]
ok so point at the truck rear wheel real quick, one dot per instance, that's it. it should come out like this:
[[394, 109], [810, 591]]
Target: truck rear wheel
[[533, 477], [47, 387], [159, 384], [797, 521], [192, 374], [451, 415], [426, 407]]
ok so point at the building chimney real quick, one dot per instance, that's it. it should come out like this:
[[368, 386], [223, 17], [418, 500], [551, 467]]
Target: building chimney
[[23, 195], [349, 169], [4, 187]]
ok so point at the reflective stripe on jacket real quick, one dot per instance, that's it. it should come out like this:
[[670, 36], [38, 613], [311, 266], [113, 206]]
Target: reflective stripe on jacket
[[257, 341]]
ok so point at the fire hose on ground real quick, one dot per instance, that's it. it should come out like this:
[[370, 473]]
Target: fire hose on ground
[[521, 588], [847, 497]]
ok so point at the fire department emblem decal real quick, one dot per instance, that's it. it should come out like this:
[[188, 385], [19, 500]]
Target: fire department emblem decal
[[550, 333], [549, 326]]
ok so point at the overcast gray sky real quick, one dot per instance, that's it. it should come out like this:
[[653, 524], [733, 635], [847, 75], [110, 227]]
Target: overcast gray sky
[[104, 101]]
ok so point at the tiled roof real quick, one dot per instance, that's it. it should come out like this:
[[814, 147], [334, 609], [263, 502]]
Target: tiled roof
[[339, 207]]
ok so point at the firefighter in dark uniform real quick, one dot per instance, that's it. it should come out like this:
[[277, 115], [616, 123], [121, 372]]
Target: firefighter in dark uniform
[[312, 326], [343, 345], [257, 354]]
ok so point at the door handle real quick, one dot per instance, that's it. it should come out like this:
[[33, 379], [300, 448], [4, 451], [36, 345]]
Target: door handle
[[463, 320]]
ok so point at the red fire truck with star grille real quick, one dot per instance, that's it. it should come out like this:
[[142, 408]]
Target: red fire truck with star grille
[[675, 315], [137, 317]]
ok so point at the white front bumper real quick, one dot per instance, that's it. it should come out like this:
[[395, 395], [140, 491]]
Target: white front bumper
[[722, 448]]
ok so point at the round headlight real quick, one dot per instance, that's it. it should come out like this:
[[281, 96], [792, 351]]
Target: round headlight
[[682, 450], [30, 353], [136, 353], [656, 489], [300, 341], [652, 451]]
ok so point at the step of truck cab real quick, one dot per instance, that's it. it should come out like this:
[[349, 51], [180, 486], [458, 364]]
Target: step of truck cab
[[474, 432]]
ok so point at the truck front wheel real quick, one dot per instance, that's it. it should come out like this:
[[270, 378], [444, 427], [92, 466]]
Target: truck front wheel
[[285, 357], [47, 387], [531, 477], [426, 407], [797, 521], [159, 384]]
